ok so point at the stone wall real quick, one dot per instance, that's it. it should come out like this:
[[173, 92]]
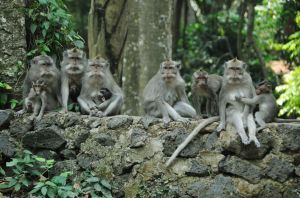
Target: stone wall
[[120, 149], [12, 38]]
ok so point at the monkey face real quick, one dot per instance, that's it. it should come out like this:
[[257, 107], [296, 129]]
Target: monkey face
[[234, 71], [38, 86], [97, 67], [169, 71], [45, 65], [75, 59], [200, 78]]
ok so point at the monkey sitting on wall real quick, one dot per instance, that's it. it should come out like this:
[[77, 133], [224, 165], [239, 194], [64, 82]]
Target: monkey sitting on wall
[[236, 83], [43, 68], [103, 95], [164, 95], [97, 79], [36, 100], [206, 86], [73, 67], [267, 108]]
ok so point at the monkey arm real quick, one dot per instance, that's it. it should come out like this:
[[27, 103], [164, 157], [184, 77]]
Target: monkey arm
[[222, 114], [83, 104], [162, 106], [114, 106], [181, 94], [250, 101]]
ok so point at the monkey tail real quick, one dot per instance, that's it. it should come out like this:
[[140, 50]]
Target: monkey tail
[[279, 120], [190, 137]]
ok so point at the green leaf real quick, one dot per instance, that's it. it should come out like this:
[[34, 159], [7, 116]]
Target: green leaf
[[40, 159], [2, 172], [79, 44], [49, 183], [93, 179], [51, 193], [33, 28], [17, 187], [44, 190], [46, 25], [106, 184], [43, 1]]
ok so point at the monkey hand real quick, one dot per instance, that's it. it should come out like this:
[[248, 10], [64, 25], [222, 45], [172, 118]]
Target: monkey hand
[[38, 118], [19, 113], [221, 127], [166, 120], [31, 117], [238, 98], [183, 120]]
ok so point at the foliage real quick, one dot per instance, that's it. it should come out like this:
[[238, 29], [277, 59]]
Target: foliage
[[30, 173], [26, 168], [51, 28], [5, 89], [290, 91]]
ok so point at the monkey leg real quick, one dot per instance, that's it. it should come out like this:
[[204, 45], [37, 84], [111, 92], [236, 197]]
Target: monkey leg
[[252, 130], [114, 106], [185, 109], [260, 117], [65, 94], [174, 114], [83, 104], [42, 110], [208, 107], [236, 119]]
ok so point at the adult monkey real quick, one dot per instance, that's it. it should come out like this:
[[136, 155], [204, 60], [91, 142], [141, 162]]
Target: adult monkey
[[164, 95], [236, 83], [97, 80], [206, 86], [73, 67], [43, 68]]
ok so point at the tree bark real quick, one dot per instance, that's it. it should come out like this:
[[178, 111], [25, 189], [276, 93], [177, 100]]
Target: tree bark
[[250, 38], [240, 28], [135, 36]]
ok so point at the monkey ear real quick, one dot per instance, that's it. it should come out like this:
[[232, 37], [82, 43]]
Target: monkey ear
[[195, 75], [178, 64], [225, 65], [245, 66]]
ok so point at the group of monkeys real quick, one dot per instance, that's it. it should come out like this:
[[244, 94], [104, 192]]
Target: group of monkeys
[[90, 82]]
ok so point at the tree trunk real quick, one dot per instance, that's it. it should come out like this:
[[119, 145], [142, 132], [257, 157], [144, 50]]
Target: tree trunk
[[135, 36]]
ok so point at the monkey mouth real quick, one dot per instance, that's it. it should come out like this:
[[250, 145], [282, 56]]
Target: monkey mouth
[[47, 74]]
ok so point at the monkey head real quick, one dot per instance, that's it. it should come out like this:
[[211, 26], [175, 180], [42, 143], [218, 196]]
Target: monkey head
[[234, 71], [38, 86], [97, 67], [45, 65], [74, 61], [263, 87], [200, 78], [169, 70]]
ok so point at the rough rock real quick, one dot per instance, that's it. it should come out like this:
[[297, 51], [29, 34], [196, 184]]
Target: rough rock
[[292, 191], [297, 171], [231, 142], [290, 137], [236, 166], [68, 154], [5, 117], [47, 138], [177, 136], [279, 169], [104, 139], [220, 186], [197, 169], [138, 138], [47, 154], [82, 137], [7, 147], [86, 161], [64, 166], [119, 121], [270, 190], [20, 126]]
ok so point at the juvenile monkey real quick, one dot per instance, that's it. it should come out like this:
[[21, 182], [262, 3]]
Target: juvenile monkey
[[164, 95], [43, 68], [36, 100], [236, 83], [73, 67], [206, 86], [266, 104], [98, 81]]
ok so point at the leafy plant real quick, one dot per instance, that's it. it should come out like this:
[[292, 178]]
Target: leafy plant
[[5, 89], [51, 28], [26, 167]]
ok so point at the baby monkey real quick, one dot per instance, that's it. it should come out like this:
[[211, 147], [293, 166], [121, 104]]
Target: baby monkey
[[36, 100], [103, 95]]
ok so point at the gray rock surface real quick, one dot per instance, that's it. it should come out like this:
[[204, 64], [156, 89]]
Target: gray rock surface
[[119, 121], [138, 138], [5, 117], [198, 170], [47, 138], [279, 169], [7, 147]]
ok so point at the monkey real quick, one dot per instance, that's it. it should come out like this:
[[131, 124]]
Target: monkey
[[101, 97], [36, 100], [73, 66], [266, 104], [206, 86], [43, 68], [236, 83], [96, 81], [164, 95]]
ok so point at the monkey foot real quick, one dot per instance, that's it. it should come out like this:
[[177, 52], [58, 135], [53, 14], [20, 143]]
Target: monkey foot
[[256, 142], [31, 117], [220, 127]]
